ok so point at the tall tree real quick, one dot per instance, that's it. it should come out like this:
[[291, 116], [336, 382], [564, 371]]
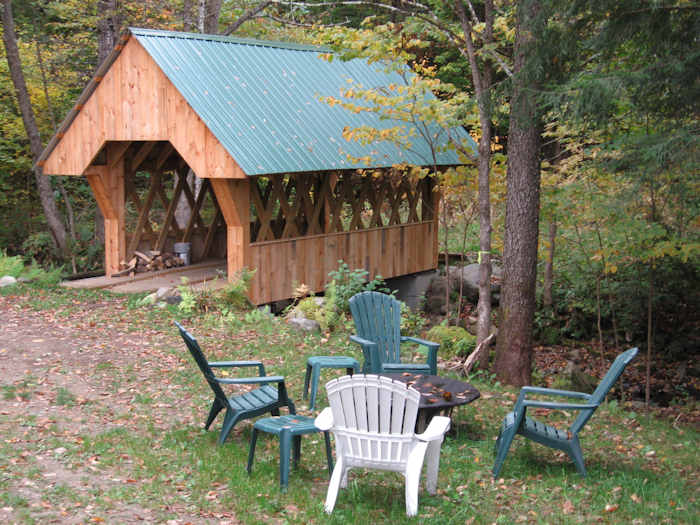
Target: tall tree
[[53, 217], [514, 348], [482, 75]]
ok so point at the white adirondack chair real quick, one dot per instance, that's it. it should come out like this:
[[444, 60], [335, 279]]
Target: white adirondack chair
[[373, 420]]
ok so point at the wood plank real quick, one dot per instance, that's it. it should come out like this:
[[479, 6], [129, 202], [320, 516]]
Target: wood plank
[[135, 101]]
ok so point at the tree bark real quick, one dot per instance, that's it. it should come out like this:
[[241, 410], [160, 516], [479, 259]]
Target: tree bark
[[187, 20], [514, 351], [53, 218], [482, 78]]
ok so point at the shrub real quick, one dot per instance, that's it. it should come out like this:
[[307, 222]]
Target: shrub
[[454, 340], [348, 282]]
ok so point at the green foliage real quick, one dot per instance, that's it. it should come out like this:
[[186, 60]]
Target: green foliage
[[412, 323], [234, 294], [454, 340], [13, 266], [346, 283]]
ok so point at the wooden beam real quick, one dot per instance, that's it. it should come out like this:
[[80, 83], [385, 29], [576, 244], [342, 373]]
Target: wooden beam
[[233, 196], [143, 215], [117, 151], [164, 155], [194, 215], [170, 215], [141, 155], [96, 176], [108, 185]]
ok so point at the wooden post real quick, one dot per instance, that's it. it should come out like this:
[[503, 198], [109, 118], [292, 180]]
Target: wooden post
[[233, 196], [107, 183]]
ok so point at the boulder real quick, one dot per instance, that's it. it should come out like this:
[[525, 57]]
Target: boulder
[[469, 275], [7, 280], [435, 295], [302, 323]]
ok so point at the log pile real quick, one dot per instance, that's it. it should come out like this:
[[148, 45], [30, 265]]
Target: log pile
[[151, 261]]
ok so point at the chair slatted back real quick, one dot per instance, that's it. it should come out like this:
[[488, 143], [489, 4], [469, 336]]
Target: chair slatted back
[[377, 317], [374, 417], [202, 362], [604, 387]]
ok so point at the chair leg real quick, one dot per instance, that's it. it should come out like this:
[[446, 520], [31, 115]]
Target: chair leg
[[307, 376], [432, 467], [285, 449], [413, 470], [216, 407], [229, 422], [251, 452], [577, 456], [334, 484], [296, 441], [329, 453], [315, 377], [505, 438]]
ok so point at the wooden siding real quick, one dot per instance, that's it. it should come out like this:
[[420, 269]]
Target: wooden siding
[[389, 252], [136, 101]]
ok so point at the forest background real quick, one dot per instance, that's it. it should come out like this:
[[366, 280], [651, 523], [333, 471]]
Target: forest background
[[586, 116]]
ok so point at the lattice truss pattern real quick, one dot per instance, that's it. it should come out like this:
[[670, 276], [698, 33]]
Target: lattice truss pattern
[[153, 206], [296, 205]]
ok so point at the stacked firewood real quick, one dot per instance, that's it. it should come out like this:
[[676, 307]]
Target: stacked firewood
[[151, 261]]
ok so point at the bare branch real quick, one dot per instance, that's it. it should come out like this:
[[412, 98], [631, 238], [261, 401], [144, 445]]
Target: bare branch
[[248, 15]]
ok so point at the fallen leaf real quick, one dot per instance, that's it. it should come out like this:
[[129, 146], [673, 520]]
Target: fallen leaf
[[567, 507], [611, 508]]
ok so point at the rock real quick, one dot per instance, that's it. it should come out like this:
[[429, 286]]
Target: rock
[[304, 324], [469, 275], [7, 280], [173, 299], [163, 292], [435, 295]]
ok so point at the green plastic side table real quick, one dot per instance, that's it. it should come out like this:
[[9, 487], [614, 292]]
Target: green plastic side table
[[313, 371], [289, 429]]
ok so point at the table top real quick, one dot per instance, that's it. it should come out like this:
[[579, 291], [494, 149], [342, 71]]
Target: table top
[[438, 392]]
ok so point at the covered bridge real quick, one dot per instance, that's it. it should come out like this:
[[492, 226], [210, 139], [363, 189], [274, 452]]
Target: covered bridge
[[280, 190]]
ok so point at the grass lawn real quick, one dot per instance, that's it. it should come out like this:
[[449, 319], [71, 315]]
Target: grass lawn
[[102, 413]]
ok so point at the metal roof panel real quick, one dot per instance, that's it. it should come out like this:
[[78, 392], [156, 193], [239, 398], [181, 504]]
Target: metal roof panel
[[262, 102]]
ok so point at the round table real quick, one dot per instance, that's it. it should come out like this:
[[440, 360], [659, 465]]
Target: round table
[[439, 395]]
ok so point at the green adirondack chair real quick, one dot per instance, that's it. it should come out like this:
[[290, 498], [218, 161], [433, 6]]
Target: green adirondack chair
[[377, 319], [253, 403], [516, 422]]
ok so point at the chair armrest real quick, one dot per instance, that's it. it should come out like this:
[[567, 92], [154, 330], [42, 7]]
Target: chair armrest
[[436, 429], [557, 406], [324, 421], [363, 342], [554, 392], [239, 364], [432, 351], [250, 380], [420, 341]]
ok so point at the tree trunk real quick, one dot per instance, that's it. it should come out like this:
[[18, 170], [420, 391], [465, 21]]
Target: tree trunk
[[514, 352], [187, 20], [549, 267], [482, 78], [209, 16], [53, 218], [650, 336]]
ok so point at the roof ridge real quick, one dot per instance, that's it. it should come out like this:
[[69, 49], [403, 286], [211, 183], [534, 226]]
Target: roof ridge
[[137, 31]]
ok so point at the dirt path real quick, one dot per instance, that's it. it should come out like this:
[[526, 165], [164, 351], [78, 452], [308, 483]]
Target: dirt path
[[66, 377]]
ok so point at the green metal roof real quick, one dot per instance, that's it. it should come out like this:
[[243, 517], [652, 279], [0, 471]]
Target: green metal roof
[[261, 101]]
